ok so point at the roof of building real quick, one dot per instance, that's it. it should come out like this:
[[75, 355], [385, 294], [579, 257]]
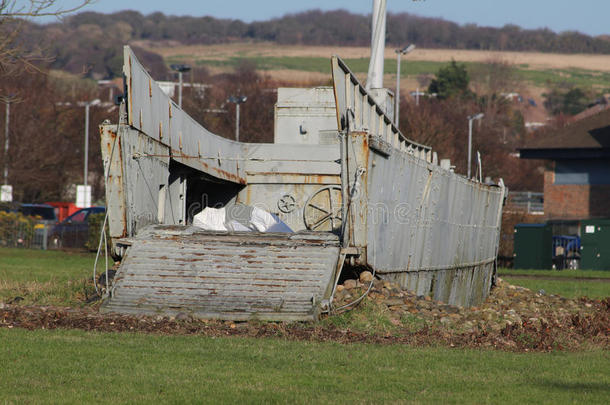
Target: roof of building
[[591, 134]]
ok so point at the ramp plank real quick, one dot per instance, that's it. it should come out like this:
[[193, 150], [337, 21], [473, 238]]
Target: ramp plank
[[237, 276]]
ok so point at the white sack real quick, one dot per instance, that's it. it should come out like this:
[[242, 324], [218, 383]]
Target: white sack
[[262, 220], [210, 219]]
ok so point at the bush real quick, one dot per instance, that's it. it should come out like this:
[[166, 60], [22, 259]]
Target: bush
[[16, 230], [95, 228]]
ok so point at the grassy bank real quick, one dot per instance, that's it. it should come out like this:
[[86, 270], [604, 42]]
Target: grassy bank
[[77, 366]]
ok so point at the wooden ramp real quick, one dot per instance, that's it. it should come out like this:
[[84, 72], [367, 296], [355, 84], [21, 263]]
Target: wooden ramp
[[235, 276]]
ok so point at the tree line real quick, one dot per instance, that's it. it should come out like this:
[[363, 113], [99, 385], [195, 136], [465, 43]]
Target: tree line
[[91, 42]]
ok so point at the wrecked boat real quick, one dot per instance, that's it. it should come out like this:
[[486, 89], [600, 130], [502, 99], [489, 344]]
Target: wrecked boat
[[340, 174]]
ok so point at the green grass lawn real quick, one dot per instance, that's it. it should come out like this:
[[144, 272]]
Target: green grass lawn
[[82, 367], [569, 287], [556, 273], [45, 277], [566, 288]]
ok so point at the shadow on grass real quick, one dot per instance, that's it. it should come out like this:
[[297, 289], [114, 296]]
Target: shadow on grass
[[594, 387]]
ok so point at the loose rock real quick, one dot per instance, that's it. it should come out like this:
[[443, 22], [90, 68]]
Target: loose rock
[[366, 277]]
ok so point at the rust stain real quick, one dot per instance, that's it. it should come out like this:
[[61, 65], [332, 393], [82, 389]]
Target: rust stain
[[160, 130], [229, 176], [248, 195]]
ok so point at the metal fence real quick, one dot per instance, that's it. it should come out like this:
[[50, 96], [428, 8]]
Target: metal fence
[[25, 234], [527, 201]]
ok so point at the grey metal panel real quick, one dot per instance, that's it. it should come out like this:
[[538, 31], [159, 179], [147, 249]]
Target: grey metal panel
[[274, 171], [465, 287], [146, 170], [303, 116], [116, 204], [267, 195], [225, 275], [152, 112], [427, 219], [292, 159]]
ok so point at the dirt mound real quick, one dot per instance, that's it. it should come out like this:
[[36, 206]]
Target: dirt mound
[[513, 318]]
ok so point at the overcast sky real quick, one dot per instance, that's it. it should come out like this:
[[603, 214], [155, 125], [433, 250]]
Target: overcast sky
[[587, 16]]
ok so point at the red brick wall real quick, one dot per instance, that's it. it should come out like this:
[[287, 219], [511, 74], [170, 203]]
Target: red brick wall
[[574, 201]]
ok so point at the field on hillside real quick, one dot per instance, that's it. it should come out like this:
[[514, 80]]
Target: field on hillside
[[533, 60], [536, 69]]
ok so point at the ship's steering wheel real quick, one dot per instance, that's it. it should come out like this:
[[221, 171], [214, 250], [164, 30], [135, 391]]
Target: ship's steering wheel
[[322, 211]]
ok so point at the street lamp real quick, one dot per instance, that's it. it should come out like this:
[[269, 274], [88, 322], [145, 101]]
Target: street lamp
[[180, 69], [470, 119], [86, 196], [6, 192], [87, 105], [237, 100], [7, 101], [399, 53]]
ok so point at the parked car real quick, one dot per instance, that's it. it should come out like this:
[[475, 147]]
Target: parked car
[[73, 232]]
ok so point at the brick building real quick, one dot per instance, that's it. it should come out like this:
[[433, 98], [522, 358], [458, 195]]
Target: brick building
[[577, 183]]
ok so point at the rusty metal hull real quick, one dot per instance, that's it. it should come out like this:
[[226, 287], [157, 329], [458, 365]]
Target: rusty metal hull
[[437, 230], [238, 276]]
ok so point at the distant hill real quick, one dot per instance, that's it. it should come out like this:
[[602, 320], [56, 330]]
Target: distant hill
[[91, 42]]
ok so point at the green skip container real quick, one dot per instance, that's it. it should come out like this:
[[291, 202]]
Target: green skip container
[[595, 244], [533, 246]]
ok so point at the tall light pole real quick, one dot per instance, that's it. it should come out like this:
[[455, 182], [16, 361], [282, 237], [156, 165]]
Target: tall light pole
[[470, 119], [180, 69], [399, 53], [6, 139], [86, 200], [7, 192], [237, 100], [87, 105]]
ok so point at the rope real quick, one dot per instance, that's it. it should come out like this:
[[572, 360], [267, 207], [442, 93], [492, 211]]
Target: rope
[[103, 237], [359, 172]]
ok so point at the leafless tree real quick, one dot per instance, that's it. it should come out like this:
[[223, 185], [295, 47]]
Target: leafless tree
[[14, 14], [37, 8]]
